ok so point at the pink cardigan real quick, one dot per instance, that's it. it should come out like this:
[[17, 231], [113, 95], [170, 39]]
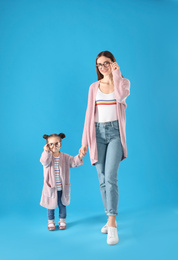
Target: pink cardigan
[[122, 91], [49, 193]]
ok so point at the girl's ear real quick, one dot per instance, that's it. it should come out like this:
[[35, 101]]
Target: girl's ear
[[61, 135], [45, 136]]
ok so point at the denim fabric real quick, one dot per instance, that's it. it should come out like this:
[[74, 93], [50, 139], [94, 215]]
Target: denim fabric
[[62, 208], [110, 153]]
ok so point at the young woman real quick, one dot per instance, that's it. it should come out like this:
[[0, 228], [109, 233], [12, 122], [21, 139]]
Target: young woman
[[104, 133]]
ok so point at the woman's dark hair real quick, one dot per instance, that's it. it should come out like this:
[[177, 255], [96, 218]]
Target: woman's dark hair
[[61, 135], [107, 54]]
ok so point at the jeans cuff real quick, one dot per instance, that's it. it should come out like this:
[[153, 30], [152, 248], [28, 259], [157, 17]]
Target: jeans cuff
[[112, 214]]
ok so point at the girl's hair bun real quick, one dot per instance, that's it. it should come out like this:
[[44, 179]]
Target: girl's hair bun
[[62, 135], [45, 136]]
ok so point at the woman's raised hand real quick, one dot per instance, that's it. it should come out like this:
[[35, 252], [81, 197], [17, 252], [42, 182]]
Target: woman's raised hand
[[115, 66]]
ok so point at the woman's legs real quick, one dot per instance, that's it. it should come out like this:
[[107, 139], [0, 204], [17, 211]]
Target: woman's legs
[[109, 156], [113, 158], [100, 167]]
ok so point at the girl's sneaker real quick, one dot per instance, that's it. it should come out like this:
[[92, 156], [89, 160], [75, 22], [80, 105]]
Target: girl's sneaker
[[112, 237]]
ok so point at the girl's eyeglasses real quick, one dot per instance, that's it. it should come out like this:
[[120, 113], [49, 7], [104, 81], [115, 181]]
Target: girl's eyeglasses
[[105, 64], [51, 145]]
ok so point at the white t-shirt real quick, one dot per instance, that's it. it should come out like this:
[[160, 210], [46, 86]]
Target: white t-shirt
[[105, 107]]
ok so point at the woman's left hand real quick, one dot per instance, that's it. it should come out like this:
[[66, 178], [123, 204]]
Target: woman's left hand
[[115, 66]]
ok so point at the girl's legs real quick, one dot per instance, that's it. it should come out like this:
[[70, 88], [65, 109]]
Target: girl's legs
[[51, 224], [62, 208], [50, 213], [62, 212]]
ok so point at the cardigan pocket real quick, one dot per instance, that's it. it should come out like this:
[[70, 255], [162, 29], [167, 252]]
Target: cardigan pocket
[[49, 192]]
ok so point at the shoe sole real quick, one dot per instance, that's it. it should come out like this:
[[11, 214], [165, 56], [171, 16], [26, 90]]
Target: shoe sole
[[104, 232]]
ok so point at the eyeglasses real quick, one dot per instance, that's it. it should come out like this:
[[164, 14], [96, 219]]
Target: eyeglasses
[[105, 64], [51, 145]]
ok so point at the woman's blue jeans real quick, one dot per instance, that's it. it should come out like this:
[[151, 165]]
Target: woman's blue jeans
[[62, 208], [110, 153]]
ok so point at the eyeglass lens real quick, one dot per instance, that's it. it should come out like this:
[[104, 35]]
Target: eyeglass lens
[[51, 145], [105, 64]]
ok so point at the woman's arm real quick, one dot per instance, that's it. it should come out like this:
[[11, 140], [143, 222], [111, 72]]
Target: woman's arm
[[121, 84], [83, 149]]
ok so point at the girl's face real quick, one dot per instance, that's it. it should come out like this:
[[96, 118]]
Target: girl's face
[[104, 65], [54, 144]]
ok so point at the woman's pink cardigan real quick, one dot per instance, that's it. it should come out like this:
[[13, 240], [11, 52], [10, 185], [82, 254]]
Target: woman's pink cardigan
[[49, 193], [122, 91]]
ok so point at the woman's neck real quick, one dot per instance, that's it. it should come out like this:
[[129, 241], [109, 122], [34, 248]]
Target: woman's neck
[[108, 79]]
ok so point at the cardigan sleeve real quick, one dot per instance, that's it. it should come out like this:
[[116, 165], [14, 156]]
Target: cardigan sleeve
[[87, 117], [122, 86], [46, 158], [75, 161]]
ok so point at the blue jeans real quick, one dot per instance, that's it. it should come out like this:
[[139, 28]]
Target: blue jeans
[[62, 208], [110, 153]]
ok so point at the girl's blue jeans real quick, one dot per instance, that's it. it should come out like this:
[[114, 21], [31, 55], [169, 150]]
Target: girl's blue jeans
[[62, 208], [110, 153]]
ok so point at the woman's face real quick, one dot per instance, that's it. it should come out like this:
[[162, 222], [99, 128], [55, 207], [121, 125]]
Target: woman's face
[[104, 65], [54, 144]]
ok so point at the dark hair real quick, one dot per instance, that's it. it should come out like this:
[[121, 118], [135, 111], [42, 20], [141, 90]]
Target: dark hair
[[107, 54], [61, 135]]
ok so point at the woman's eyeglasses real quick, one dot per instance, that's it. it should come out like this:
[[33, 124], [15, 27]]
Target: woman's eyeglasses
[[105, 64], [51, 145]]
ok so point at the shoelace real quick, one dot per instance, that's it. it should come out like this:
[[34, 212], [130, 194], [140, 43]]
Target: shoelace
[[112, 233]]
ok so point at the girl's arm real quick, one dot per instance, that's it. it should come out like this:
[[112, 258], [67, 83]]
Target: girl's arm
[[46, 158], [75, 161], [122, 86]]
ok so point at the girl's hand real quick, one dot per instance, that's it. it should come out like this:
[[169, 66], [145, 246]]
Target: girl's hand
[[80, 157], [46, 148], [83, 150], [115, 66]]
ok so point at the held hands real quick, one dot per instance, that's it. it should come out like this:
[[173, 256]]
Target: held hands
[[82, 151], [115, 66]]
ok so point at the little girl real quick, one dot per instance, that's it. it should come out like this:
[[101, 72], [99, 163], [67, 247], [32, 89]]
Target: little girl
[[56, 188]]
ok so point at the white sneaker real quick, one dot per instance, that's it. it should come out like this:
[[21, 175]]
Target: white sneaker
[[112, 237], [105, 229]]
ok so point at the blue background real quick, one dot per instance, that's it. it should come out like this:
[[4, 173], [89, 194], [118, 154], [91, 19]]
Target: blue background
[[47, 63]]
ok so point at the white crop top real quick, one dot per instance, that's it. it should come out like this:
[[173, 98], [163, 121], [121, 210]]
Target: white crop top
[[105, 107]]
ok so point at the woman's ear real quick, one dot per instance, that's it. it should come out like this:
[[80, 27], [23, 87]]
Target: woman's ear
[[61, 135]]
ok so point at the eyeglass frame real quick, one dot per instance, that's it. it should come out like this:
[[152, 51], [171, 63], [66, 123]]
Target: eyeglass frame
[[54, 144], [99, 65]]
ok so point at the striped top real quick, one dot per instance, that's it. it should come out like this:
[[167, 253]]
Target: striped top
[[105, 107], [57, 173], [105, 102]]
